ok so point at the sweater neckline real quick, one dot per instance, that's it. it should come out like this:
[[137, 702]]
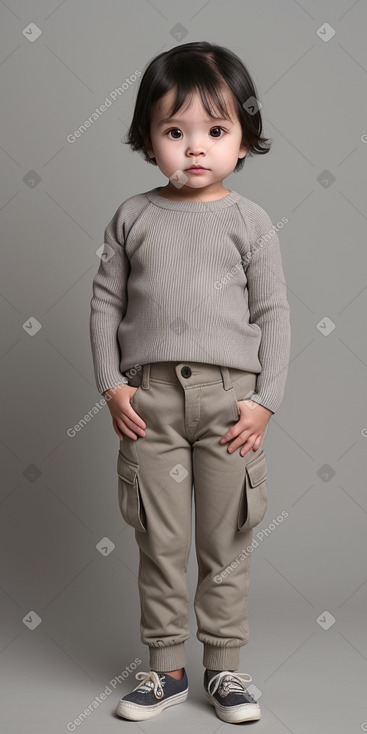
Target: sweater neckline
[[191, 206]]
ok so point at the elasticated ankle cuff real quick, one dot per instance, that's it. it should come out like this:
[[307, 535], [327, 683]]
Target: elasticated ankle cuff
[[168, 658], [221, 658]]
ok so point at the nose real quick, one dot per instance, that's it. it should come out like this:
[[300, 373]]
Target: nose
[[196, 152], [195, 149]]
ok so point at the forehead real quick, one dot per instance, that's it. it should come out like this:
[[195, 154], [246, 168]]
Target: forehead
[[192, 111]]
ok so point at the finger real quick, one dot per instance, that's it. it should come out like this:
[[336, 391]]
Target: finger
[[238, 428], [117, 430], [130, 428], [133, 425], [245, 449], [257, 443], [228, 435], [128, 432], [134, 417], [235, 431], [240, 441]]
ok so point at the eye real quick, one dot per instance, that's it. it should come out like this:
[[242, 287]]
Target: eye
[[217, 128], [173, 129]]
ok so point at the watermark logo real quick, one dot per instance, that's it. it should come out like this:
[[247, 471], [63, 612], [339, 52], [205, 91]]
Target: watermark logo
[[246, 259], [73, 725], [99, 111], [97, 407], [246, 551]]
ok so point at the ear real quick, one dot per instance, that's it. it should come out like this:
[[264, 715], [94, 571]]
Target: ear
[[242, 151], [149, 147]]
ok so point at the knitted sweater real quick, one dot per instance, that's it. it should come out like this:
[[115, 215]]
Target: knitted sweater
[[191, 281]]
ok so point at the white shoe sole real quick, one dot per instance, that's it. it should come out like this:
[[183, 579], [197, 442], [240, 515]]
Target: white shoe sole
[[236, 714], [135, 712]]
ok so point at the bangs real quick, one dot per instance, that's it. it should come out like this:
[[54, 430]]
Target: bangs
[[211, 91]]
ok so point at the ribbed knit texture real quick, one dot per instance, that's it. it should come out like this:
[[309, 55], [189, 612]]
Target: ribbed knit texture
[[191, 281]]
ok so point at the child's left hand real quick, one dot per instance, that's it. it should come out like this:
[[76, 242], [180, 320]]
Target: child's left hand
[[249, 430]]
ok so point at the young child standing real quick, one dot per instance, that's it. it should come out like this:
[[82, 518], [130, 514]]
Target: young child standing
[[190, 336]]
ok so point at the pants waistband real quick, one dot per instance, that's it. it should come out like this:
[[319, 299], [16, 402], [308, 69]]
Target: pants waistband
[[191, 373]]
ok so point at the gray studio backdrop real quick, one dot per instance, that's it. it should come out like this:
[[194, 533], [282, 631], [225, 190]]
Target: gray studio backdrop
[[69, 638]]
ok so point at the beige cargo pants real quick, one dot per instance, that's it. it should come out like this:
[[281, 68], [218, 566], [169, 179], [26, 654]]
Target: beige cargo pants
[[187, 407]]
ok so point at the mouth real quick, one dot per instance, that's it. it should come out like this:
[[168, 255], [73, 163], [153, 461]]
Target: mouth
[[196, 168]]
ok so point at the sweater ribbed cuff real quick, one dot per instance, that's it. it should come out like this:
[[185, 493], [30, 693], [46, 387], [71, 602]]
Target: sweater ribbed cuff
[[122, 381]]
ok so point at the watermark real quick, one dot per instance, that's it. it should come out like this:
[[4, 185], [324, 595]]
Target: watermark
[[97, 407], [99, 111], [73, 725], [244, 261], [246, 551]]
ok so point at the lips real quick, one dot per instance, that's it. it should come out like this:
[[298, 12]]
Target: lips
[[196, 168]]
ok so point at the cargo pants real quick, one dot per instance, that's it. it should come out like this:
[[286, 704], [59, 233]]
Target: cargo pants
[[187, 407]]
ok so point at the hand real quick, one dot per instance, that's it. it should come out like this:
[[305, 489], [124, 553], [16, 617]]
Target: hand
[[125, 420], [250, 428]]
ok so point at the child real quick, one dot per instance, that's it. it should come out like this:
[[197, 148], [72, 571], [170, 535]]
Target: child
[[190, 336]]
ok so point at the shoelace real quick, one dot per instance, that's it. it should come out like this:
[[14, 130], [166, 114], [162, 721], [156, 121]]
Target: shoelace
[[150, 680], [229, 683]]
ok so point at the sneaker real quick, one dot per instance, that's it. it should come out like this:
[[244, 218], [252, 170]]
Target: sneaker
[[233, 703], [156, 692]]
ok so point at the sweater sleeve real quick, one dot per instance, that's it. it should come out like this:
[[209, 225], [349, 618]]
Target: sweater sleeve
[[269, 309], [108, 306]]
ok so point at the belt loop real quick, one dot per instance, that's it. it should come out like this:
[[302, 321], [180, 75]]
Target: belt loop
[[145, 376], [226, 377]]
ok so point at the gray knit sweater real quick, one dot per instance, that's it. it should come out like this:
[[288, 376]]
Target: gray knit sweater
[[191, 281]]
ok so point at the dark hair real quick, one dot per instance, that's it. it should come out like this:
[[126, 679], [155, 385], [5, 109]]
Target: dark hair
[[205, 67]]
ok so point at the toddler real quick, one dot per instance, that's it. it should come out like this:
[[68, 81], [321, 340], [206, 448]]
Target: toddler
[[190, 336]]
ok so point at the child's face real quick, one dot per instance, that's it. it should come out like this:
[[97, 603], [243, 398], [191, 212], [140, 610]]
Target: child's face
[[194, 138]]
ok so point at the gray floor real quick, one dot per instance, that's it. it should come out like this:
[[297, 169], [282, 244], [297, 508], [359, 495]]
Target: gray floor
[[311, 678]]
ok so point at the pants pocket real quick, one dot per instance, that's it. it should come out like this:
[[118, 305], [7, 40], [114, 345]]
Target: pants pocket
[[243, 386], [129, 495], [134, 397], [254, 497]]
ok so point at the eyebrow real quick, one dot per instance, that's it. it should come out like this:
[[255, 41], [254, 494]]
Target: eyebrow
[[177, 120]]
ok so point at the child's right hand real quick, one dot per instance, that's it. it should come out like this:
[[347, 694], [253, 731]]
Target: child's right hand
[[124, 419]]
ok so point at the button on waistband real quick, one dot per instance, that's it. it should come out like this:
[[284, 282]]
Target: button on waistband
[[186, 371]]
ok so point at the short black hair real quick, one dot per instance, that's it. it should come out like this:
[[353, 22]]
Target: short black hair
[[207, 68]]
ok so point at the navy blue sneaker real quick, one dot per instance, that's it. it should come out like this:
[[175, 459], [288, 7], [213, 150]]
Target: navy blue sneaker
[[156, 692], [233, 703]]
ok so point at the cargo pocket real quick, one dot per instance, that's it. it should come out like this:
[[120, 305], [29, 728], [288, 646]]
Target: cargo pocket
[[254, 497], [130, 500]]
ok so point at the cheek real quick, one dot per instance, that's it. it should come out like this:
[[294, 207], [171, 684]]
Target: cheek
[[170, 155], [233, 147], [228, 150], [164, 150], [158, 143], [166, 159]]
